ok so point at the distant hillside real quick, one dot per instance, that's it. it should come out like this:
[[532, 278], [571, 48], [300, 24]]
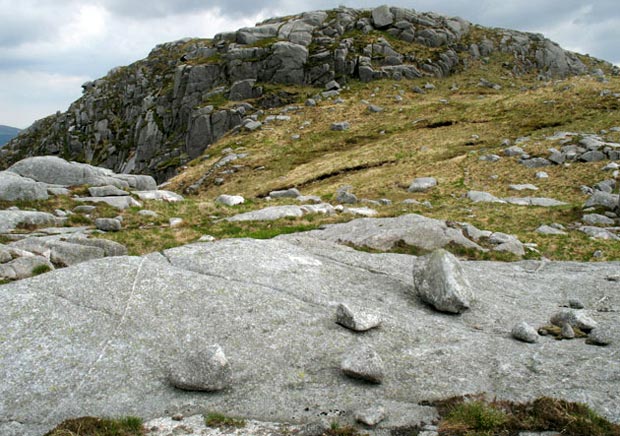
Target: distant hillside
[[7, 133], [159, 113]]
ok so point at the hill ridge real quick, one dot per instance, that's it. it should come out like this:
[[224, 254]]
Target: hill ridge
[[159, 113]]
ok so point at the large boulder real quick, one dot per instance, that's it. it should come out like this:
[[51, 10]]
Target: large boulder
[[101, 336], [13, 187], [11, 219], [439, 280]]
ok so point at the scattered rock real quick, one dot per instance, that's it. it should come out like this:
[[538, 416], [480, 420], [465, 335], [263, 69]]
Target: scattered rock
[[567, 331], [523, 187], [356, 319], [106, 191], [594, 219], [363, 363], [175, 222], [201, 370], [598, 233], [374, 109], [360, 211], [575, 303], [230, 200], [120, 203], [422, 184], [439, 280], [269, 214], [345, 196], [483, 197], [84, 209], [599, 336], [108, 224], [542, 175], [602, 199], [340, 126], [160, 195], [148, 213], [574, 318], [548, 230], [287, 193], [370, 417], [525, 332]]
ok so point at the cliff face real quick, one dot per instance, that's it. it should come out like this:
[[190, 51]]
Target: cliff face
[[160, 112]]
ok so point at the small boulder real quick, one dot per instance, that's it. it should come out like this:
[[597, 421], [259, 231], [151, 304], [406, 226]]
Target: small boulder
[[439, 280], [574, 318], [525, 332], [363, 363], [370, 417], [356, 320], [382, 16], [340, 126], [230, 200], [422, 184], [287, 193], [106, 191], [108, 224], [344, 196], [599, 336], [202, 370], [567, 331]]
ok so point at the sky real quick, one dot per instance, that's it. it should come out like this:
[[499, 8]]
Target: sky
[[48, 48]]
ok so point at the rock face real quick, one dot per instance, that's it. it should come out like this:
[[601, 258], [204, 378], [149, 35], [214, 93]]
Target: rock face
[[439, 281], [158, 113], [104, 346]]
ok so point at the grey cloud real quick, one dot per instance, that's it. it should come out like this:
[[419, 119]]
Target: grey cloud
[[161, 8]]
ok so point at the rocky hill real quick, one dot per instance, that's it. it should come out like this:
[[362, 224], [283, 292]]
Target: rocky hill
[[160, 112], [7, 133]]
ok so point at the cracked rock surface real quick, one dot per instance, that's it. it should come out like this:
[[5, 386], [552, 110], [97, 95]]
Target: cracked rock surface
[[98, 338]]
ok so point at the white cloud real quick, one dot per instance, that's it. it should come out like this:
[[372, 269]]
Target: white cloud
[[27, 96]]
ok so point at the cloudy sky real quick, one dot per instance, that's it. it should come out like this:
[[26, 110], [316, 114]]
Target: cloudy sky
[[48, 48]]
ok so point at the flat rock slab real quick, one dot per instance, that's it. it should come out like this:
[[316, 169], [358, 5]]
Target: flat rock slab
[[120, 203], [269, 214], [101, 346], [386, 233], [11, 219]]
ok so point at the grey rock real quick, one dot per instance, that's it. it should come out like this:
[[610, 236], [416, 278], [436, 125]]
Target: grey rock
[[66, 254], [360, 211], [120, 203], [175, 222], [243, 90], [598, 233], [230, 200], [513, 151], [84, 209], [106, 191], [602, 199], [374, 108], [269, 214], [548, 230], [439, 280], [252, 125], [575, 303], [483, 197], [322, 208], [371, 416], [382, 16], [243, 294], [286, 193], [11, 219], [599, 336], [525, 332], [490, 158], [363, 363], [13, 187], [592, 156], [595, 219], [567, 331], [386, 233], [108, 224], [356, 319], [110, 248], [574, 318], [536, 162], [422, 184], [534, 201], [606, 185], [542, 175], [345, 197], [159, 195], [23, 267], [523, 187], [148, 213], [340, 126], [332, 85], [201, 369]]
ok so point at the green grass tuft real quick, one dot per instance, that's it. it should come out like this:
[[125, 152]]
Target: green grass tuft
[[219, 420], [40, 269], [91, 426]]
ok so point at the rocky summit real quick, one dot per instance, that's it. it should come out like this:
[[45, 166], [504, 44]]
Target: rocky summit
[[160, 112], [338, 221]]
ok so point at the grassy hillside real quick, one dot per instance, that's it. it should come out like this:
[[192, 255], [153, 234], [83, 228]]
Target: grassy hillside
[[442, 133]]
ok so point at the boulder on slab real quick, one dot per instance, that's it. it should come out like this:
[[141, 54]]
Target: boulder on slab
[[363, 363], [525, 332], [439, 280], [575, 318], [201, 370], [356, 319], [14, 187]]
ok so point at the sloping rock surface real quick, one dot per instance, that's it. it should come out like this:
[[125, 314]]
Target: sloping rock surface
[[102, 346], [385, 234]]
